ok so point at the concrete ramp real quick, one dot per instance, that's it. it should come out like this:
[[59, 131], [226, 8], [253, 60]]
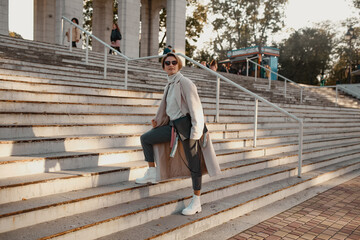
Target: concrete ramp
[[351, 89]]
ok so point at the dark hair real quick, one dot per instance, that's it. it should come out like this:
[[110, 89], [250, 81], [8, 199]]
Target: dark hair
[[76, 20], [170, 54], [117, 26], [169, 46], [213, 63]]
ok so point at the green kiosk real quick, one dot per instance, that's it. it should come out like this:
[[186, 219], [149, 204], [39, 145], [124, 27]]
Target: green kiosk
[[265, 56]]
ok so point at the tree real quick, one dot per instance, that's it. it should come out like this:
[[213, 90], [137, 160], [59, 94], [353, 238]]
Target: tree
[[204, 55], [305, 55], [15, 35], [244, 23], [356, 3], [344, 55]]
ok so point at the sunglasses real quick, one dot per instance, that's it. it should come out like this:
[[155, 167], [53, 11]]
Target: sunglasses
[[167, 63]]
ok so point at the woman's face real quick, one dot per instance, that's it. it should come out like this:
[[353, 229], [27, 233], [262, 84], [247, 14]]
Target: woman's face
[[114, 26], [172, 68]]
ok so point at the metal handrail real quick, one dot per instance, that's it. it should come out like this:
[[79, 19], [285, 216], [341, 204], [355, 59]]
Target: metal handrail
[[257, 98], [286, 80], [218, 77], [106, 46]]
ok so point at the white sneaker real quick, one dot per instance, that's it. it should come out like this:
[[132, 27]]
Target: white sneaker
[[194, 206], [149, 176]]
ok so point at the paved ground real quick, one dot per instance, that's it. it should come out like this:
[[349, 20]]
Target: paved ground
[[333, 214]]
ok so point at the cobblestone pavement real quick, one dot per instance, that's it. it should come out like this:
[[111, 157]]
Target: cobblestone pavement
[[333, 214]]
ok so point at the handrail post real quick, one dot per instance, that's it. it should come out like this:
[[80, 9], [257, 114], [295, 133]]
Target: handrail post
[[87, 50], [301, 94], [255, 121], [126, 73], [70, 38], [217, 99], [105, 61], [301, 133], [247, 67], [337, 95], [269, 80], [285, 88], [62, 31], [255, 72]]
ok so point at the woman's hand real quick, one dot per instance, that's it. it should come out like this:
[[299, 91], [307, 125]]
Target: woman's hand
[[154, 123]]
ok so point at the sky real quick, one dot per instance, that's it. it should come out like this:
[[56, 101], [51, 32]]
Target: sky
[[299, 14]]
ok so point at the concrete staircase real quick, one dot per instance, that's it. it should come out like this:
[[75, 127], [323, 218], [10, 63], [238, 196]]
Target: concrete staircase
[[70, 150]]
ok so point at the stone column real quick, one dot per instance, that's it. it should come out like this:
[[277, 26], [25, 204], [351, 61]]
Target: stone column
[[102, 22], [68, 9], [150, 17], [176, 24], [47, 19], [4, 17], [129, 24], [44, 21]]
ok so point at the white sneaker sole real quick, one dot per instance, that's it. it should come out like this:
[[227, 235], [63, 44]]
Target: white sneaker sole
[[152, 182], [189, 214]]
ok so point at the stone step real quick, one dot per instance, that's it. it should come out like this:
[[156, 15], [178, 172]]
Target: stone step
[[119, 193], [48, 85], [43, 184], [24, 95], [199, 91], [10, 94], [33, 145], [198, 71], [97, 108], [51, 162], [215, 213], [218, 130], [166, 206]]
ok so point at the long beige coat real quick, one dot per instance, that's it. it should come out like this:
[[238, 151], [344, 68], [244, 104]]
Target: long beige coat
[[75, 34], [189, 102]]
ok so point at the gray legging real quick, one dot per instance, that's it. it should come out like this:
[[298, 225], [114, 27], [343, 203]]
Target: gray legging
[[191, 148]]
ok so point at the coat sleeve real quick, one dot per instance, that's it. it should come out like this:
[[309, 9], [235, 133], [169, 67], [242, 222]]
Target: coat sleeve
[[195, 108], [161, 117]]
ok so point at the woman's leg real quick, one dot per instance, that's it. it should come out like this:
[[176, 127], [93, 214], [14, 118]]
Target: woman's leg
[[148, 139], [191, 148], [156, 135]]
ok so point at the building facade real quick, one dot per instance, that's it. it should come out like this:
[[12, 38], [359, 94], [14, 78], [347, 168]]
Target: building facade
[[138, 21]]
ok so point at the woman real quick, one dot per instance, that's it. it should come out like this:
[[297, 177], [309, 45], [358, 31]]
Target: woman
[[76, 34], [213, 65], [115, 37], [180, 101]]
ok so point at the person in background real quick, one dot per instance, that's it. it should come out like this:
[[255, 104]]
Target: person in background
[[76, 34], [267, 75], [179, 121], [223, 68], [115, 38], [167, 50], [232, 69], [204, 63], [213, 65]]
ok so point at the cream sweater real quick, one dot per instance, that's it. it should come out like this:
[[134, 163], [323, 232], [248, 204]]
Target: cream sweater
[[172, 107]]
